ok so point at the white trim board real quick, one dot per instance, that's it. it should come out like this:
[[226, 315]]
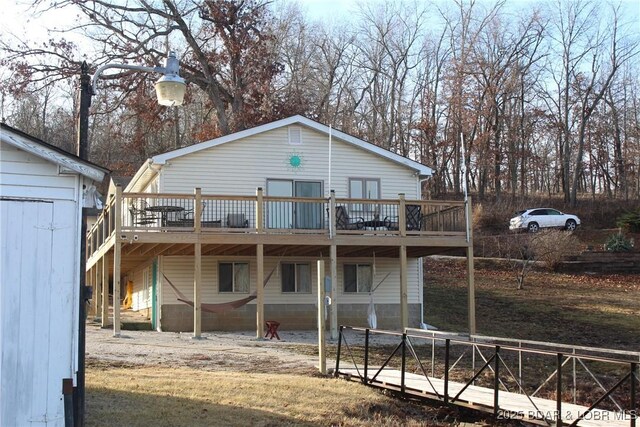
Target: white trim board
[[66, 162]]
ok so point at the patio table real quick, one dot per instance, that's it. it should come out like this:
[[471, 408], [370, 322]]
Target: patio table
[[164, 211]]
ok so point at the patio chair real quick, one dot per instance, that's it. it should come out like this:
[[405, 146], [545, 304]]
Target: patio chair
[[413, 217], [237, 220], [344, 222], [141, 216], [185, 217]]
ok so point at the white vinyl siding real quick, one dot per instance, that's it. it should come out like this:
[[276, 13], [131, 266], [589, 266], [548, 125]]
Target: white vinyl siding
[[152, 186], [39, 283], [142, 287], [138, 288], [27, 175], [179, 269], [239, 167]]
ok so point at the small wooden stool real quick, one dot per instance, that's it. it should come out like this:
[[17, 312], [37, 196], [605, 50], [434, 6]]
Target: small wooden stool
[[272, 329]]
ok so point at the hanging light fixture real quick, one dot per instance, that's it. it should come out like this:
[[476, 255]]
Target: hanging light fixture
[[170, 88]]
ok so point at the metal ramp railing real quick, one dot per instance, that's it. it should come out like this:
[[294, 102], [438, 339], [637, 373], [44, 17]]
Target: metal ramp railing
[[508, 378]]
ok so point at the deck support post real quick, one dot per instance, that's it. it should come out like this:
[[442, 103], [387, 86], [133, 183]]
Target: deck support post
[[104, 306], [197, 268], [470, 274], [97, 291], [117, 253], [402, 215], [197, 291], [260, 291], [95, 303], [333, 255], [404, 310], [322, 351], [260, 265], [259, 210]]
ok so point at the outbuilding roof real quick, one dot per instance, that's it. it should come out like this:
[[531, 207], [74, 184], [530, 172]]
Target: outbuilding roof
[[64, 159]]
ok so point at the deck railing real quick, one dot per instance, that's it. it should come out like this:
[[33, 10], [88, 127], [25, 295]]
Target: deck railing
[[153, 212]]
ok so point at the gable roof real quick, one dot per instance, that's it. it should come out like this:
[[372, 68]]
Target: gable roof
[[422, 170], [39, 148]]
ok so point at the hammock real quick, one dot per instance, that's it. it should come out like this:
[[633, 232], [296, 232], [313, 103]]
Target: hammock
[[372, 319], [218, 307]]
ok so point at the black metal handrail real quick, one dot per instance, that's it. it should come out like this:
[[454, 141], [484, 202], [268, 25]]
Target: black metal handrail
[[496, 363]]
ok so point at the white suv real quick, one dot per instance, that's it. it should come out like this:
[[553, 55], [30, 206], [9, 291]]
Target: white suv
[[533, 220]]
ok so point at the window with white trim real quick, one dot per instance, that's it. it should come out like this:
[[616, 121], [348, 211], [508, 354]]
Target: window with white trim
[[233, 277], [296, 277], [358, 278], [364, 188]]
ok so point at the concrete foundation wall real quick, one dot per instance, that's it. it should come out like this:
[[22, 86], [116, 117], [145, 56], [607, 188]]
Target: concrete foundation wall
[[179, 317]]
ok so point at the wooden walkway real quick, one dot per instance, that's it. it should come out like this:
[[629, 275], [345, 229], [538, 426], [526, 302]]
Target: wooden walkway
[[511, 405]]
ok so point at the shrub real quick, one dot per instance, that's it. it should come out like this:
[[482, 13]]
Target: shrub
[[618, 243], [630, 221], [553, 246], [491, 218], [476, 216]]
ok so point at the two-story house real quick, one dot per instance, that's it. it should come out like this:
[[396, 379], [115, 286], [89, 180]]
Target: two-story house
[[226, 234]]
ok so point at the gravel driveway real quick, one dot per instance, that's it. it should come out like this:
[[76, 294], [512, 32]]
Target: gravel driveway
[[216, 351]]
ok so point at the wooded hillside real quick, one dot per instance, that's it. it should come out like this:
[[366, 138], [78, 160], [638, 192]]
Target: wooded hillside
[[545, 97]]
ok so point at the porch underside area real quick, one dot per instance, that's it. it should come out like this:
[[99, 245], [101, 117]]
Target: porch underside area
[[128, 250]]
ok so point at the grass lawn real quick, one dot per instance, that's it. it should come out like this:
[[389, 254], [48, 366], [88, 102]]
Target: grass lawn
[[592, 310], [144, 396], [589, 310]]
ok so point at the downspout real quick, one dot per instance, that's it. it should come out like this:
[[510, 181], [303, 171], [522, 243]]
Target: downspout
[[421, 262]]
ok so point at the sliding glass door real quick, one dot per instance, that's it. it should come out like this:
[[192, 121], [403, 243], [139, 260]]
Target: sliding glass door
[[308, 215], [279, 213], [301, 215]]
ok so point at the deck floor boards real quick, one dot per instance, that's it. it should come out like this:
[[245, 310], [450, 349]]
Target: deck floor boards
[[518, 406]]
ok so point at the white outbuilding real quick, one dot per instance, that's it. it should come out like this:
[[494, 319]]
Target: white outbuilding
[[42, 191]]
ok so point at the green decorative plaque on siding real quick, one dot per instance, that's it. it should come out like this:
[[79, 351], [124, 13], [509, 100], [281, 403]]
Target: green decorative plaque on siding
[[295, 161]]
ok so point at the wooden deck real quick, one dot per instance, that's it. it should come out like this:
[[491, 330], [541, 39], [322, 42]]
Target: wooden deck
[[511, 405], [147, 225]]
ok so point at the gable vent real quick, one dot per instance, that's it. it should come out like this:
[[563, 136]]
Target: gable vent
[[295, 135]]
